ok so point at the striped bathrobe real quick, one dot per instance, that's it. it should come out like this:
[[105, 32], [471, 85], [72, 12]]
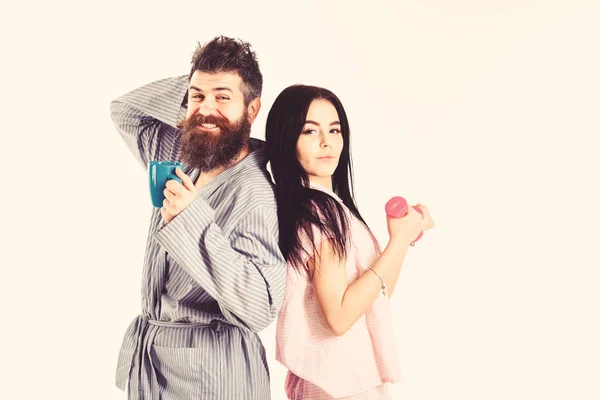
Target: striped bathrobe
[[212, 277]]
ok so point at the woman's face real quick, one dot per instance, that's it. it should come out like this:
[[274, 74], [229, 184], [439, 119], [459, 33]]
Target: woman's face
[[320, 143]]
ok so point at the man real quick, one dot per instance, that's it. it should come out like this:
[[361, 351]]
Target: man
[[213, 274]]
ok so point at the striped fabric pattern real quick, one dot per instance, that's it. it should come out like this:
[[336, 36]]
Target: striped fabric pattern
[[212, 277]]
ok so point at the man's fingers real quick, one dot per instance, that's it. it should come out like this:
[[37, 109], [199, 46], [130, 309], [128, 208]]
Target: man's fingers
[[174, 186], [169, 195], [186, 180]]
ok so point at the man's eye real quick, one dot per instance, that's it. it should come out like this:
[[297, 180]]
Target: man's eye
[[223, 98]]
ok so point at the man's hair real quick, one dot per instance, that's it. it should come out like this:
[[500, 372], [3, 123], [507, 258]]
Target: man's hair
[[223, 54]]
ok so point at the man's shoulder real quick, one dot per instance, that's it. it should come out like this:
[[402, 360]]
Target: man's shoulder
[[253, 185], [250, 186], [249, 192]]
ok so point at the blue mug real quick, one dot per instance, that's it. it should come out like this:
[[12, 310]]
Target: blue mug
[[160, 172]]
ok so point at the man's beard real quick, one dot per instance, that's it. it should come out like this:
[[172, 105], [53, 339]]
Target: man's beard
[[207, 151]]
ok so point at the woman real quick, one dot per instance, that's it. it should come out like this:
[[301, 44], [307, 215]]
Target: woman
[[334, 331]]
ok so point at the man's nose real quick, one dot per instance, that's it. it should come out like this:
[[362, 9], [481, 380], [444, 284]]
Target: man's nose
[[207, 107]]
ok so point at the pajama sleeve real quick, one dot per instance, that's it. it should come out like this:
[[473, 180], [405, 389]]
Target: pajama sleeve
[[244, 272], [147, 119]]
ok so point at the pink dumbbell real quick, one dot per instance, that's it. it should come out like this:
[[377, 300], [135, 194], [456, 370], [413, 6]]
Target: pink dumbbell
[[397, 207]]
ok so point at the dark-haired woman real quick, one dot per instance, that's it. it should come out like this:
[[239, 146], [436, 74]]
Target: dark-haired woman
[[334, 331]]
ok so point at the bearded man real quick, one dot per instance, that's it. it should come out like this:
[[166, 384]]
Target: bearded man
[[213, 274]]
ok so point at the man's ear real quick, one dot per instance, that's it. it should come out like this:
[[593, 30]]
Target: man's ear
[[253, 109]]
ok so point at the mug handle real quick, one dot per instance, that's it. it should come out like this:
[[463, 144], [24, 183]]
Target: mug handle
[[174, 177]]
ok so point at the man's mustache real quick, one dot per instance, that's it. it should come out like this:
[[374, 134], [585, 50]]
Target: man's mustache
[[196, 120]]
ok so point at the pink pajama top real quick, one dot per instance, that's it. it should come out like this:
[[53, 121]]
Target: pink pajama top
[[364, 357]]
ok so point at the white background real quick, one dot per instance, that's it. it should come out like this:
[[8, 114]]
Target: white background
[[487, 111]]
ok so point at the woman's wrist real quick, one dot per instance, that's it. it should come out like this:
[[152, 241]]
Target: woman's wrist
[[399, 241]]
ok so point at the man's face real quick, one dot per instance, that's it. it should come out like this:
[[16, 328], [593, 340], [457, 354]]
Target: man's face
[[217, 124], [219, 95]]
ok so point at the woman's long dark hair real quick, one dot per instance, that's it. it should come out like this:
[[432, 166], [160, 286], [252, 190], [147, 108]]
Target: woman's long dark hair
[[299, 206]]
